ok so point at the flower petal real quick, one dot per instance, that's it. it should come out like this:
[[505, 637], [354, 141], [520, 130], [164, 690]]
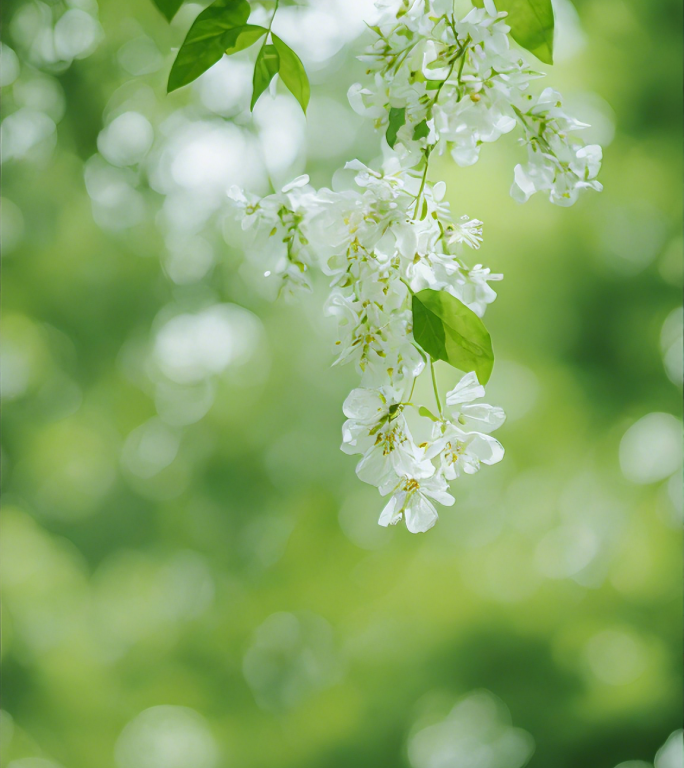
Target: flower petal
[[376, 467], [486, 448], [420, 514], [486, 418], [467, 389], [391, 514], [364, 405]]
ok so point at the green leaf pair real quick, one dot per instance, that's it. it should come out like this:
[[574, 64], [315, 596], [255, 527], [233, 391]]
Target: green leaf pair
[[222, 28], [531, 23], [447, 330]]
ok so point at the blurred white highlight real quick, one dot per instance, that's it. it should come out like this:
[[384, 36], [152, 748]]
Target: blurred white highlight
[[671, 754], [291, 657], [116, 203], [126, 140], [140, 56], [671, 341], [615, 657], [190, 347], [9, 65], [23, 130], [477, 732], [167, 737], [150, 448], [651, 449], [77, 34], [566, 550]]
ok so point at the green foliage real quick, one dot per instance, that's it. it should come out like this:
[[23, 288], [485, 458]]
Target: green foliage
[[421, 131], [531, 23], [222, 28], [397, 118], [292, 72], [212, 33], [447, 330], [168, 7], [265, 69], [243, 37]]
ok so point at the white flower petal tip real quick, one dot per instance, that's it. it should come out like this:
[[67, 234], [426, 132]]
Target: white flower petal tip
[[467, 390]]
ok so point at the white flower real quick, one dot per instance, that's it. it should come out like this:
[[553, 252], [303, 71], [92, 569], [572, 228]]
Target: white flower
[[461, 442], [365, 409], [467, 231], [459, 450], [478, 416], [298, 183], [475, 291], [377, 428], [473, 89], [247, 205], [563, 171], [370, 334], [558, 163], [411, 498]]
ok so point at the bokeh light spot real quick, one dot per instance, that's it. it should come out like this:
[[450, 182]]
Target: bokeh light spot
[[651, 449]]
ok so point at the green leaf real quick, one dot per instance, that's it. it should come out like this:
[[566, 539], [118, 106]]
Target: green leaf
[[239, 38], [292, 72], [397, 118], [265, 70], [531, 23], [168, 7], [447, 330], [423, 411], [421, 130], [212, 32]]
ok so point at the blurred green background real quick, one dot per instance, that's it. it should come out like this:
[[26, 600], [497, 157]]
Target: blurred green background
[[193, 577]]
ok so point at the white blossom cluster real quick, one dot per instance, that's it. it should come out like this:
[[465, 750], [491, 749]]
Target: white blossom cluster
[[389, 236], [439, 83], [461, 84]]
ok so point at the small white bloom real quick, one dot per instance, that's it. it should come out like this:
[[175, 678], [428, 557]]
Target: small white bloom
[[412, 499], [459, 450], [467, 231], [477, 416], [377, 428]]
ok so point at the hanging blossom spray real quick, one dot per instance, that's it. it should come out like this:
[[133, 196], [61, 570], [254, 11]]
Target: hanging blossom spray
[[401, 286]]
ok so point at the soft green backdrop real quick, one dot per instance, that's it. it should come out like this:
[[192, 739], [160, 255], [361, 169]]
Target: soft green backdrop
[[179, 532]]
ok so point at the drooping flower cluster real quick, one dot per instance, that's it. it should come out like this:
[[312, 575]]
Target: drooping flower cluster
[[439, 84], [388, 237]]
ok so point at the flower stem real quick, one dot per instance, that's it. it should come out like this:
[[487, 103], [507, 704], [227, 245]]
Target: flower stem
[[407, 285], [422, 182], [460, 55], [539, 137], [275, 10], [270, 24], [434, 387]]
